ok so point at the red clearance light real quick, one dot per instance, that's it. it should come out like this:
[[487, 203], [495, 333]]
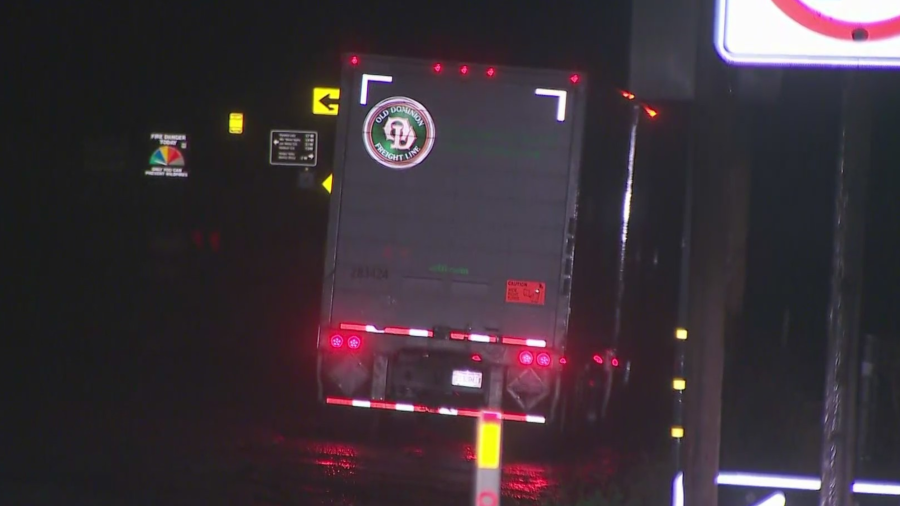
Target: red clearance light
[[563, 361], [464, 70], [476, 358], [615, 362], [598, 359], [337, 341], [629, 96], [650, 112], [354, 60], [491, 71], [543, 359], [437, 67], [574, 78], [526, 358], [354, 342]]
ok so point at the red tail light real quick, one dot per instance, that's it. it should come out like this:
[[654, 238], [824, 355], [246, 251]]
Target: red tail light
[[490, 72], [574, 78], [563, 361], [354, 60], [337, 341], [437, 67], [476, 358], [543, 359], [615, 362], [354, 342], [598, 359], [464, 70], [526, 357]]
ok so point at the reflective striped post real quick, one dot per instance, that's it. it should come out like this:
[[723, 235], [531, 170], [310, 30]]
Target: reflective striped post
[[488, 448]]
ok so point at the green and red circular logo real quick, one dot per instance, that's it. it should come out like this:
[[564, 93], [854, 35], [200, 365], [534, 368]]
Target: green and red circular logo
[[398, 133]]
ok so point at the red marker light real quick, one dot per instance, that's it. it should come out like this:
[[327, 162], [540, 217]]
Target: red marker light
[[574, 78], [464, 70], [337, 341], [490, 72], [354, 60], [563, 361], [598, 359], [476, 358], [543, 359], [526, 358], [650, 112], [354, 342], [615, 362], [437, 67]]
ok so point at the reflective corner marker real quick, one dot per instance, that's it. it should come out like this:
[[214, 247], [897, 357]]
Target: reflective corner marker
[[488, 448], [560, 96]]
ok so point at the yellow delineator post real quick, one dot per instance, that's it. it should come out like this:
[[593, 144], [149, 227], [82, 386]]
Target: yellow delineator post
[[488, 449]]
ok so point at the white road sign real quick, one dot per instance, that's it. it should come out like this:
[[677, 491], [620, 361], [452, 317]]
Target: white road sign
[[823, 33]]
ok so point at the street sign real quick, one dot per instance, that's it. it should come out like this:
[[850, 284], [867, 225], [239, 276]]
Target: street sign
[[825, 33], [488, 450], [168, 156], [325, 101], [236, 123], [293, 148]]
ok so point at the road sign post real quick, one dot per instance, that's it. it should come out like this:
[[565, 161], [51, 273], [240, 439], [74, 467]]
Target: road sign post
[[488, 450]]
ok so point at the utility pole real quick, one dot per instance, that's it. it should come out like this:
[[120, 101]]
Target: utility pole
[[718, 218], [842, 371]]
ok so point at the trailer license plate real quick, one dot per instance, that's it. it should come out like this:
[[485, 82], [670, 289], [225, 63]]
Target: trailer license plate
[[469, 379]]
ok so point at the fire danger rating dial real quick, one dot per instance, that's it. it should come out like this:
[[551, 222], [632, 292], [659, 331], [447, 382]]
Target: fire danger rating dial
[[856, 20]]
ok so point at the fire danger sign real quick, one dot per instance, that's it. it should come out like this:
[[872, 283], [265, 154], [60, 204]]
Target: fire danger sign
[[825, 33]]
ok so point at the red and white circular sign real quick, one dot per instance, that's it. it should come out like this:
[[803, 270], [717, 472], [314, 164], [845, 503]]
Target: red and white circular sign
[[829, 33], [856, 20]]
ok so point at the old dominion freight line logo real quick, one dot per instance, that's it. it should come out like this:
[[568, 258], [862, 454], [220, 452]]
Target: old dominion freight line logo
[[398, 133]]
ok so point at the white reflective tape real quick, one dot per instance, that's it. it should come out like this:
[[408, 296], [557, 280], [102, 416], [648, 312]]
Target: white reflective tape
[[769, 481], [364, 87], [776, 499], [536, 343], [535, 419], [448, 411], [875, 488], [361, 404], [678, 490], [373, 329], [479, 338], [404, 407], [561, 100], [418, 333]]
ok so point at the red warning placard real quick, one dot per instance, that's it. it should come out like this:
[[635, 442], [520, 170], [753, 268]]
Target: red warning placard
[[525, 292]]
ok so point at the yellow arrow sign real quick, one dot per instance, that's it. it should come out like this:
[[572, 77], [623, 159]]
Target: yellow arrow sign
[[327, 183], [325, 101]]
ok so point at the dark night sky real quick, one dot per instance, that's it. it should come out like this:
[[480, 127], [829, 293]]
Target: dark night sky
[[183, 64]]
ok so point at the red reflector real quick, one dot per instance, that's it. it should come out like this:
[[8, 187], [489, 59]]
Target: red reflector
[[464, 70], [476, 358], [563, 361], [598, 359], [543, 359], [215, 240], [526, 358], [354, 60], [438, 67], [337, 341], [354, 342], [615, 362], [490, 72], [197, 238], [574, 78]]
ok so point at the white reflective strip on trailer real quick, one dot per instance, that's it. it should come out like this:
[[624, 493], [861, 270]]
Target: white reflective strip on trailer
[[479, 338], [361, 404], [448, 411], [405, 407], [535, 419], [419, 333], [536, 343]]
